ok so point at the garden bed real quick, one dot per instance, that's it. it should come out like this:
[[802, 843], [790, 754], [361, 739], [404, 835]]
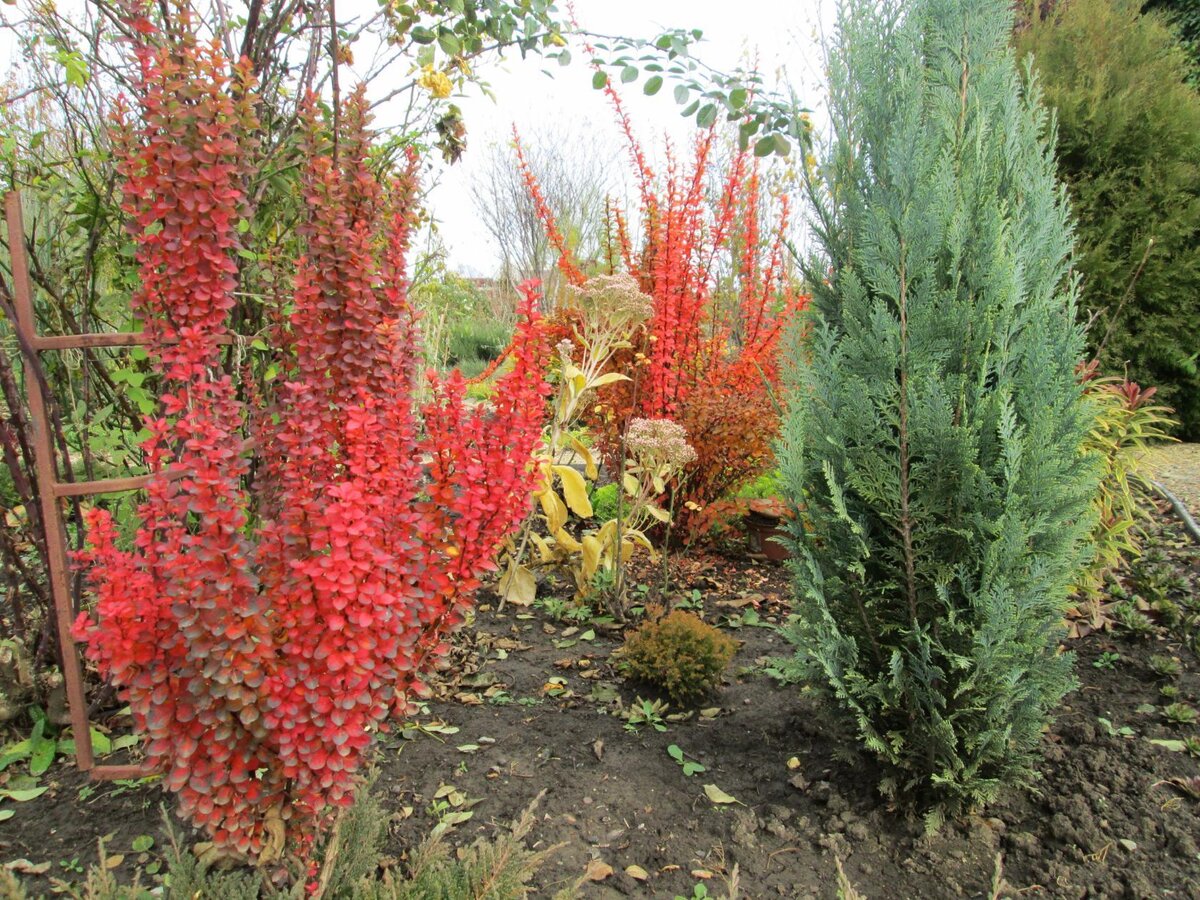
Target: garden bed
[[536, 707]]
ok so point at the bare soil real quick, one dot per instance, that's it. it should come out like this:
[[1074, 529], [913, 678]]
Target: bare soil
[[1104, 820]]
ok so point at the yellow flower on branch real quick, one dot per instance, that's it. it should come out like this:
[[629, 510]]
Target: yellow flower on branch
[[435, 81]]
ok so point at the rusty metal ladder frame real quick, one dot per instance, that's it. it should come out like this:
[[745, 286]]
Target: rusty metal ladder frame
[[51, 490]]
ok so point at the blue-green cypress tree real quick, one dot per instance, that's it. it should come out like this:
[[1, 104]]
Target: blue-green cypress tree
[[932, 444]]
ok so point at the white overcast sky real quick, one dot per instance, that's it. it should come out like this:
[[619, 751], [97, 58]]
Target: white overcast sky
[[784, 35]]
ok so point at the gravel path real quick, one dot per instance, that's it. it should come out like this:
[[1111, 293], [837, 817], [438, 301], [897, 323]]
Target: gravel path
[[1177, 467]]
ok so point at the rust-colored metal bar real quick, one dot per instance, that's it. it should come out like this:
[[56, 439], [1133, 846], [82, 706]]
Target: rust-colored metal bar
[[118, 773], [89, 341], [104, 486], [105, 339], [51, 490], [116, 485], [56, 539]]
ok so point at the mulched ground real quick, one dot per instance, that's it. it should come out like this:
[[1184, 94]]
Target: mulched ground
[[536, 709]]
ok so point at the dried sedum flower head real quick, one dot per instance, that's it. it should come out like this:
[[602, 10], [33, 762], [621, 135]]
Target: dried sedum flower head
[[615, 300], [659, 441]]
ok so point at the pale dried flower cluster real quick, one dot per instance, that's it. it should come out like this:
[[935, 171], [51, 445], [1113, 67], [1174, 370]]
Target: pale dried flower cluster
[[660, 440], [613, 299]]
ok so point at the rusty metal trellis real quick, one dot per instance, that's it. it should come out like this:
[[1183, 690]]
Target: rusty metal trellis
[[51, 490]]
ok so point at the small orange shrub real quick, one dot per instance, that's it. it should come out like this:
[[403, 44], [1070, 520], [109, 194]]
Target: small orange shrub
[[679, 654]]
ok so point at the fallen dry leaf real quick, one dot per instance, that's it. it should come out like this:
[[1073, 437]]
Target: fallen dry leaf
[[598, 749], [509, 644], [25, 867], [716, 795], [637, 872], [598, 870]]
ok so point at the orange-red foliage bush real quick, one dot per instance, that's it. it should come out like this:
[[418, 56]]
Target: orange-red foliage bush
[[262, 639], [722, 293]]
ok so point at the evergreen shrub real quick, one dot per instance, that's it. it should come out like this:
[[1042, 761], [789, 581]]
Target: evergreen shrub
[[935, 418], [604, 502], [680, 654]]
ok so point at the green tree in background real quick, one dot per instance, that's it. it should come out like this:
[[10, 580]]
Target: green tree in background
[[1129, 152], [932, 446], [1184, 16]]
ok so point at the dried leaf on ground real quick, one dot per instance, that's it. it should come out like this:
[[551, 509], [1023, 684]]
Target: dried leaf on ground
[[598, 870]]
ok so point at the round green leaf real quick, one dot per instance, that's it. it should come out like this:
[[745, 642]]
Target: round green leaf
[[653, 85]]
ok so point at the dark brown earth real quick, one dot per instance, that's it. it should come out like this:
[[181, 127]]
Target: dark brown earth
[[1103, 820]]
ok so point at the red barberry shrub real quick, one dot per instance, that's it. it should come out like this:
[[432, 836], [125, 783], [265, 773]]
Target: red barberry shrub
[[259, 659], [722, 292]]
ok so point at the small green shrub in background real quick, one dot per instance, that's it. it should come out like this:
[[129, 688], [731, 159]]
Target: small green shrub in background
[[604, 502], [763, 487], [481, 390], [473, 343], [679, 654], [936, 421]]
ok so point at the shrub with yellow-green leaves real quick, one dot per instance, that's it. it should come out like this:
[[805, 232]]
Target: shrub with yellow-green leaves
[[680, 654], [1126, 425], [564, 532]]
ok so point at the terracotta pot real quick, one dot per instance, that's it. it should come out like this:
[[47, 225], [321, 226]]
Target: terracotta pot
[[763, 523]]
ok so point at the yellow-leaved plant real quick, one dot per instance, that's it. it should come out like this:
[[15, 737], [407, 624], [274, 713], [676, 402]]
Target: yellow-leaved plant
[[1127, 424], [604, 312]]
